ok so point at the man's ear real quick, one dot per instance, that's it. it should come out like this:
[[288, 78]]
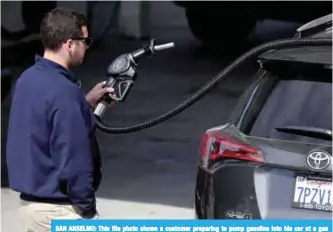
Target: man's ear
[[69, 44]]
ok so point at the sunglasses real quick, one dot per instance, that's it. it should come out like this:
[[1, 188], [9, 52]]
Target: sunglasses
[[87, 40]]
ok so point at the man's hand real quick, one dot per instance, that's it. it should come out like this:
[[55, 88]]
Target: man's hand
[[96, 93]]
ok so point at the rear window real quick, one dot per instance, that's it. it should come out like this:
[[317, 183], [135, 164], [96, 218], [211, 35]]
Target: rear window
[[295, 103]]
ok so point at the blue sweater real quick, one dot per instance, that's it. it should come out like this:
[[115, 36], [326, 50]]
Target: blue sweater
[[52, 154]]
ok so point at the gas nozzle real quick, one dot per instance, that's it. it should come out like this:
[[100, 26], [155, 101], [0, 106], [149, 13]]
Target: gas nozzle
[[122, 74], [100, 109], [150, 49], [164, 46]]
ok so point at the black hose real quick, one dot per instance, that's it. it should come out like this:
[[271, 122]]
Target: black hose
[[284, 43]]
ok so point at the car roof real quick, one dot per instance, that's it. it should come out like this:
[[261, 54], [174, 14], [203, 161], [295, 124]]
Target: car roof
[[321, 27]]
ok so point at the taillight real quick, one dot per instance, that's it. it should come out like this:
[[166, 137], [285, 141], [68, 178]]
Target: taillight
[[215, 147]]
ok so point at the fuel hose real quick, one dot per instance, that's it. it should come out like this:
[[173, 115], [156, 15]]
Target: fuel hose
[[278, 44]]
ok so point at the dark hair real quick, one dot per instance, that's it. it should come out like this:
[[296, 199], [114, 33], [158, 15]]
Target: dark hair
[[59, 25]]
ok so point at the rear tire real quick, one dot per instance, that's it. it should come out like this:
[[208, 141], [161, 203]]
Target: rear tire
[[223, 29]]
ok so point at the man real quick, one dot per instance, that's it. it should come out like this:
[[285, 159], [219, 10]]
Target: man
[[52, 156]]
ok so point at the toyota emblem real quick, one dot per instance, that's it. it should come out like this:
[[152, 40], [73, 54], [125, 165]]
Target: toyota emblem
[[318, 160]]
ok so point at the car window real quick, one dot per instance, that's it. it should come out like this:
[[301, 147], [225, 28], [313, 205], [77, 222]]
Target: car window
[[295, 103]]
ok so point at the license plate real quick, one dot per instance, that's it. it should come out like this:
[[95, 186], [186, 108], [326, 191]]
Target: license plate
[[313, 193]]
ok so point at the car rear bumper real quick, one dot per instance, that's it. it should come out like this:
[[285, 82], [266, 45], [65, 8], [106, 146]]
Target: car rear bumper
[[249, 191], [234, 193]]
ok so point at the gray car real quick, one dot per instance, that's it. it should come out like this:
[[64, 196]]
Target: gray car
[[273, 159]]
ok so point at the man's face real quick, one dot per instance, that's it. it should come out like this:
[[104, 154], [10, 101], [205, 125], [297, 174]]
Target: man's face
[[77, 48]]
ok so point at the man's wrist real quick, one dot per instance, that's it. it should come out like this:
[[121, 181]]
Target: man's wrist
[[92, 106]]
